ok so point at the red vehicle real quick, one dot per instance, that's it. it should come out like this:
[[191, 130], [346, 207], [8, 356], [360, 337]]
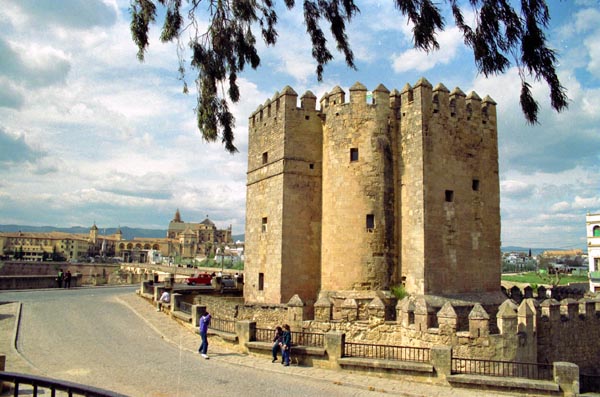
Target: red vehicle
[[200, 279]]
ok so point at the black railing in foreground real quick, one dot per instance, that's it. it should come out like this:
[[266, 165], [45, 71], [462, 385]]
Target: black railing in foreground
[[513, 369], [387, 352], [223, 325], [301, 338], [185, 307], [40, 384]]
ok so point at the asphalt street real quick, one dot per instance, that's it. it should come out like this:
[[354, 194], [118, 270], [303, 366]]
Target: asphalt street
[[90, 336]]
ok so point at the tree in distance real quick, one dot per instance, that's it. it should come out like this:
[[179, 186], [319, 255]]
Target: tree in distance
[[501, 37]]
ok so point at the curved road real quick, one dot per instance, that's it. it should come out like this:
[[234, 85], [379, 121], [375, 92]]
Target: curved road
[[88, 336]]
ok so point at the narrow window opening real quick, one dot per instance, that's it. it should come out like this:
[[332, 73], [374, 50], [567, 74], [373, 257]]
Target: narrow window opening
[[311, 166], [469, 111], [265, 157], [353, 154], [449, 196], [370, 223], [306, 117], [597, 232], [436, 104], [261, 281], [264, 225], [452, 107], [475, 185]]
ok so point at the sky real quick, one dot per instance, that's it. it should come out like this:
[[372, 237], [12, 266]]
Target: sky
[[89, 135]]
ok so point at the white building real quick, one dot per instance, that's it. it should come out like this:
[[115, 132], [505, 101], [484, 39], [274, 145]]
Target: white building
[[593, 243]]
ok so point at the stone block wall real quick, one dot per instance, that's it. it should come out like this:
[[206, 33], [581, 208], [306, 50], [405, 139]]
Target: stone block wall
[[358, 191], [569, 330], [450, 198], [283, 222], [372, 191]]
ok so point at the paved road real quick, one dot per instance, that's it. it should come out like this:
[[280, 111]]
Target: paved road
[[90, 336]]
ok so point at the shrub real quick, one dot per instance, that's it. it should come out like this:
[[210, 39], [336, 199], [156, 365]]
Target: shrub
[[399, 292]]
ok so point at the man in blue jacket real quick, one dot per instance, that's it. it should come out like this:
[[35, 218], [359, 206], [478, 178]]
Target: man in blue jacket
[[204, 324]]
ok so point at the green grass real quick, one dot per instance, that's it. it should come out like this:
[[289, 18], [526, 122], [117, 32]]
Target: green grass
[[533, 278]]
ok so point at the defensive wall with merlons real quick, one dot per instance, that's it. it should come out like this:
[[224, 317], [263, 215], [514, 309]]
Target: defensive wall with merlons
[[507, 351]]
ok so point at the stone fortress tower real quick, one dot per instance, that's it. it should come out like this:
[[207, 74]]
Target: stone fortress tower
[[359, 196]]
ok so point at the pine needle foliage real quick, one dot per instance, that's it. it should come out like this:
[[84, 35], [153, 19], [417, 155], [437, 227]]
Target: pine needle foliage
[[221, 36]]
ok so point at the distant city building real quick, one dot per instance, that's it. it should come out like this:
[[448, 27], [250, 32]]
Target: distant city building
[[183, 240], [593, 244], [38, 247], [197, 239], [562, 253]]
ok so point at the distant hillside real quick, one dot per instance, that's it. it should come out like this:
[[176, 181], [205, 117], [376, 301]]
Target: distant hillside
[[128, 232]]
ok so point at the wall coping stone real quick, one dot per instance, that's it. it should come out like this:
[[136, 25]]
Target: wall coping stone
[[511, 383], [387, 364]]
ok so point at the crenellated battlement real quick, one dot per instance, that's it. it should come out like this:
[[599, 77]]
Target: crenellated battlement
[[435, 101], [287, 99], [420, 314]]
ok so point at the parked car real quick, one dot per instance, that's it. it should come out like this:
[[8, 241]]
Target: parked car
[[200, 279]]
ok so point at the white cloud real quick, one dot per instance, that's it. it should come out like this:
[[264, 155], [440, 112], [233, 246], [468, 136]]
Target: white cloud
[[516, 189], [588, 203], [450, 41], [560, 206]]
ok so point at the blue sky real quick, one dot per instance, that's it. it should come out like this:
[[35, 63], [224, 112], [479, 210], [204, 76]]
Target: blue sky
[[88, 134]]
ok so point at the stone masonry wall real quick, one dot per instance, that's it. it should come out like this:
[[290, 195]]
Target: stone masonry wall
[[450, 201], [358, 202], [283, 200], [569, 331], [365, 194]]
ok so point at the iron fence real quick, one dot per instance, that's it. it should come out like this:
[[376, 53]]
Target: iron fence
[[39, 386], [299, 338], [387, 352], [312, 339], [184, 307], [223, 325], [513, 369], [265, 334]]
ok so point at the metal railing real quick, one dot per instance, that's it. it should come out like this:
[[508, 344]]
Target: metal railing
[[513, 369], [311, 339], [184, 307], [265, 334], [40, 384], [300, 338], [223, 325], [387, 352]]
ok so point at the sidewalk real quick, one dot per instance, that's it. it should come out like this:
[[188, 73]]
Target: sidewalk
[[186, 339]]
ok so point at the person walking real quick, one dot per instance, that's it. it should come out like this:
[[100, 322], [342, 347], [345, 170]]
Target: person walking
[[286, 344], [204, 324], [277, 343], [68, 279]]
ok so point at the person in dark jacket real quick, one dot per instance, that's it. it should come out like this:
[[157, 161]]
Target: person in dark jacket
[[276, 343], [204, 324], [286, 344]]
